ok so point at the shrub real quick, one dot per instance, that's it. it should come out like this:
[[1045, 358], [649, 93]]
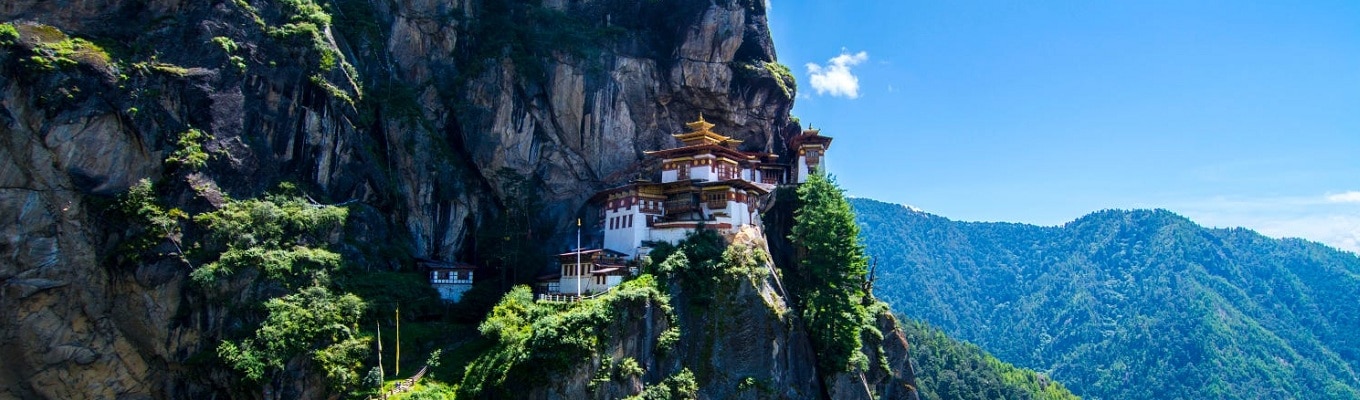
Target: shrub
[[8, 34], [189, 151], [312, 322], [681, 385], [276, 235], [535, 340]]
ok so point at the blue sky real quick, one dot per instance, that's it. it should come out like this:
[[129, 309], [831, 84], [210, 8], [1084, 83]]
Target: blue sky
[[1230, 113]]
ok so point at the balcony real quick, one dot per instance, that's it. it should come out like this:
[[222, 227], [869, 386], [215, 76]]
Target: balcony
[[680, 206]]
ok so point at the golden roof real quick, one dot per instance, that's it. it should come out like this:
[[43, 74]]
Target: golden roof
[[700, 133]]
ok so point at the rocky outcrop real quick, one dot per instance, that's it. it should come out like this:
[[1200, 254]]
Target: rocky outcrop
[[420, 122], [746, 342], [422, 135]]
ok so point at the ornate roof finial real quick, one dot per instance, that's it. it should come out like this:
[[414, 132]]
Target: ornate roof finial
[[699, 126]]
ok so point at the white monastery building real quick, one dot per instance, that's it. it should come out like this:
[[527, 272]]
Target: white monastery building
[[705, 182]]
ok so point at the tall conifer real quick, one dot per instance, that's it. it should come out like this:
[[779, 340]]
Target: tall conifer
[[832, 269]]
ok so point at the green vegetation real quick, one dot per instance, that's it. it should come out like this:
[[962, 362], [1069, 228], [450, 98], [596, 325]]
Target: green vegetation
[[330, 88], [680, 386], [276, 236], [428, 390], [950, 370], [281, 240], [783, 77], [230, 47], [271, 235], [312, 323], [534, 340], [830, 278], [1131, 304], [695, 262], [189, 153], [52, 49], [8, 34], [155, 223], [168, 69], [302, 34], [779, 73]]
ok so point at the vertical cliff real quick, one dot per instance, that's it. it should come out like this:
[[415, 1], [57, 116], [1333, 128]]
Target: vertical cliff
[[699, 325], [418, 115]]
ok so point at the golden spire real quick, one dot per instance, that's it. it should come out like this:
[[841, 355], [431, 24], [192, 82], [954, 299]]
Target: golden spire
[[699, 126], [700, 132]]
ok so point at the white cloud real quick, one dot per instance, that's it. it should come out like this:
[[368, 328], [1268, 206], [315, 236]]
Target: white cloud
[[835, 78], [1347, 197], [1333, 219]]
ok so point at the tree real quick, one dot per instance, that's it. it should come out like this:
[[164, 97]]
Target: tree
[[831, 273], [311, 322]]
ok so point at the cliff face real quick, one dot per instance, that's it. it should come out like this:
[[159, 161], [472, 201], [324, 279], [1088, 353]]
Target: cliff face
[[735, 335], [420, 114]]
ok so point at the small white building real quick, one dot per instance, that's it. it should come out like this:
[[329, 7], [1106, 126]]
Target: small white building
[[450, 279], [810, 146], [591, 271]]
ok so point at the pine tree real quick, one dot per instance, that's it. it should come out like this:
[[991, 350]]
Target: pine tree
[[831, 272]]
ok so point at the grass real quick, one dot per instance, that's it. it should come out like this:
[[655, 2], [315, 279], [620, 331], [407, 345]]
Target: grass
[[53, 49]]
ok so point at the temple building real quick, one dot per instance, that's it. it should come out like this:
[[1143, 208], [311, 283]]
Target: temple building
[[591, 270], [811, 148], [450, 279], [705, 182]]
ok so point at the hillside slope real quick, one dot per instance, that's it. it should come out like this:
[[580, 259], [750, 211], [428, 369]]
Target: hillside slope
[[1131, 304], [948, 369]]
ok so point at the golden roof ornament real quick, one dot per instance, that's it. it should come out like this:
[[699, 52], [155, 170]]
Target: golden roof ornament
[[701, 133], [700, 126]]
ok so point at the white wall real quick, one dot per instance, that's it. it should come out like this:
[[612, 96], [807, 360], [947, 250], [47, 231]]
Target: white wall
[[568, 284], [669, 176], [626, 239], [802, 168], [668, 235], [452, 292], [622, 239], [702, 172]]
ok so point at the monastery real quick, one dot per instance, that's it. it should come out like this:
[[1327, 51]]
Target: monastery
[[705, 182]]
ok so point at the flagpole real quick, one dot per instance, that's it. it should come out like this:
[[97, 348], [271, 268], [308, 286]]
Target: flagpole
[[378, 325], [578, 258], [397, 373]]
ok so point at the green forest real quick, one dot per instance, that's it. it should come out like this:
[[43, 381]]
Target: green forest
[[947, 369], [1130, 304]]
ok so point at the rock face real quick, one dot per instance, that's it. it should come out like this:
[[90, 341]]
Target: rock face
[[745, 343], [426, 112]]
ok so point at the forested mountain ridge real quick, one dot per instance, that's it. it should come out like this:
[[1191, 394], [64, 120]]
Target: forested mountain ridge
[[1130, 304]]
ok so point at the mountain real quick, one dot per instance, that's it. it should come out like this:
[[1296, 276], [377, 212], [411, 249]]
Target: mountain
[[1130, 304], [425, 121]]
